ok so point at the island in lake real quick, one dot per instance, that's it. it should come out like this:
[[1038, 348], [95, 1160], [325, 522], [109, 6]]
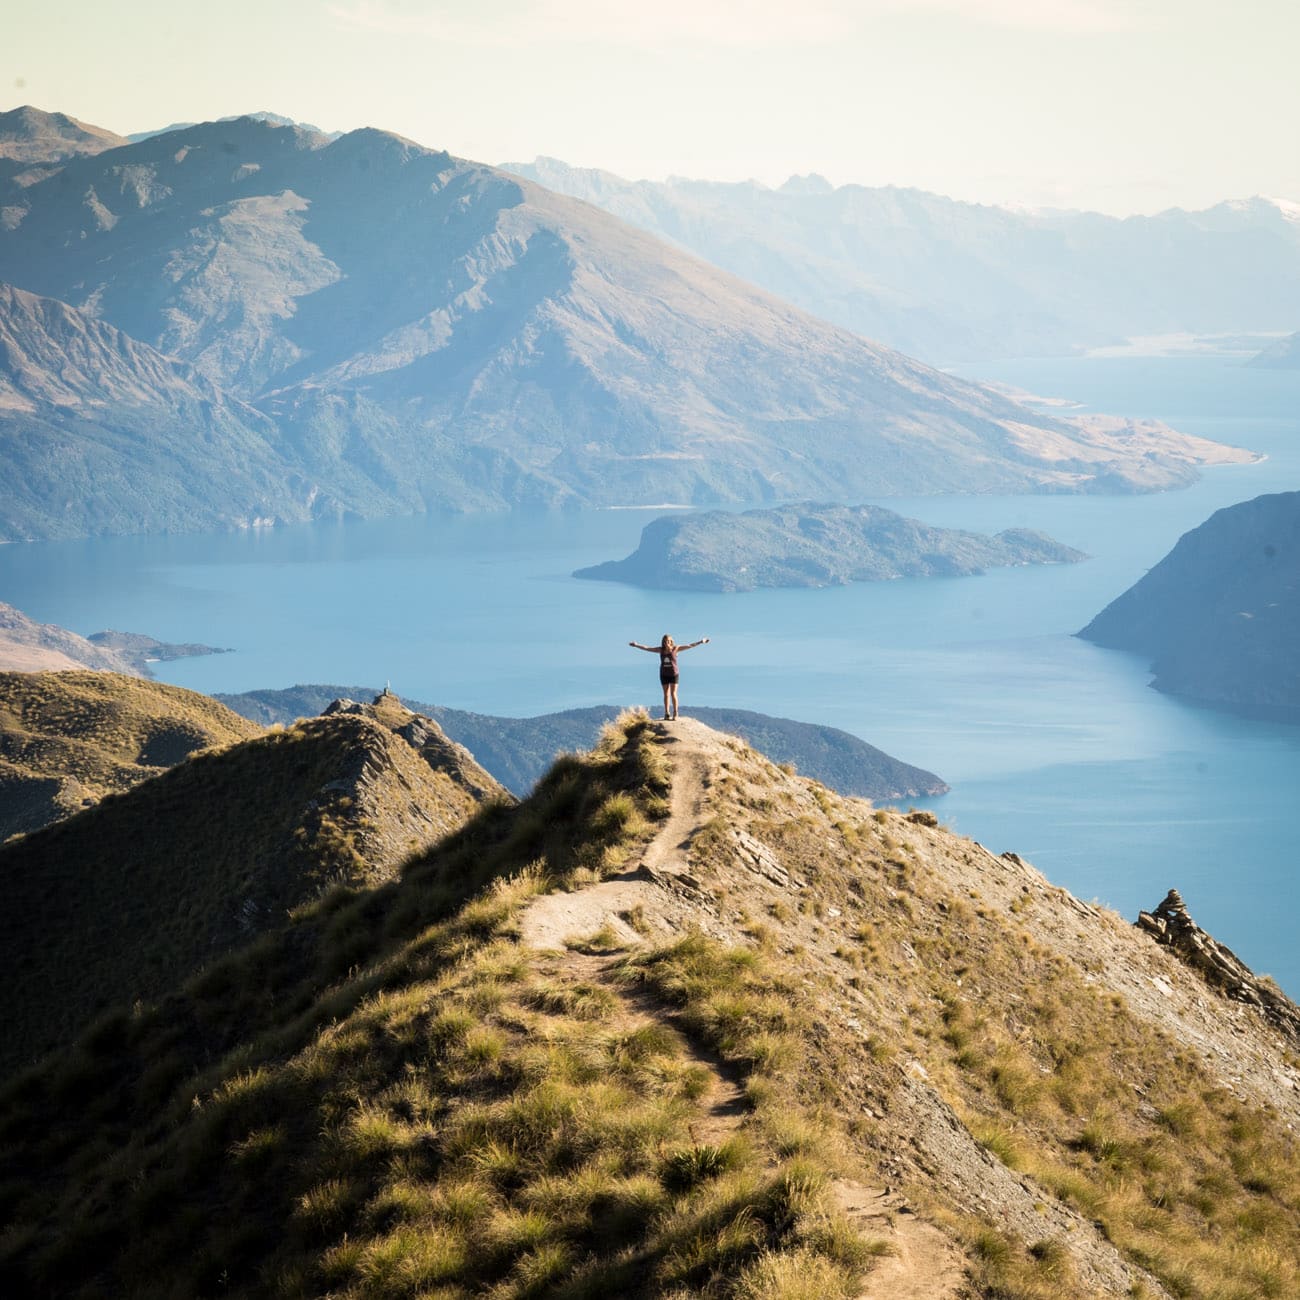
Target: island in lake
[[812, 545]]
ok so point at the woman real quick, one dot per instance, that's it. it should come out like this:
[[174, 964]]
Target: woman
[[668, 650]]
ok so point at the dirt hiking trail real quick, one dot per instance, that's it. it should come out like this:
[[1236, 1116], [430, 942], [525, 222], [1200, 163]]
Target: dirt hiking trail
[[660, 894]]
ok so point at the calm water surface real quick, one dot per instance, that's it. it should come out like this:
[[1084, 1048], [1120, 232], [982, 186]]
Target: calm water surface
[[1055, 749]]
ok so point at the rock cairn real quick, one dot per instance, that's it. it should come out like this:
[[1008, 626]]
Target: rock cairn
[[1171, 925]]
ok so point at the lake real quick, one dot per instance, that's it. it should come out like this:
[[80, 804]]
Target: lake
[[1055, 749]]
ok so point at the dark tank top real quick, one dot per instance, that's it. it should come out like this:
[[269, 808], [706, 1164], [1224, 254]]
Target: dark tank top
[[668, 663]]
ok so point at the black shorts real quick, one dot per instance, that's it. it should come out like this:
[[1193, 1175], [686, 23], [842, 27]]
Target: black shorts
[[668, 679]]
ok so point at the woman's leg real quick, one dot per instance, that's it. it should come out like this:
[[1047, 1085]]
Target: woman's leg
[[674, 690], [668, 686]]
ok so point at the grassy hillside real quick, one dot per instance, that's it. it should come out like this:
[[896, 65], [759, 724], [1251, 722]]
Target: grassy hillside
[[67, 739], [130, 897], [800, 1050]]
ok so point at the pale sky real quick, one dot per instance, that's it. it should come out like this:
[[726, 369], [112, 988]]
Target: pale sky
[[1118, 105]]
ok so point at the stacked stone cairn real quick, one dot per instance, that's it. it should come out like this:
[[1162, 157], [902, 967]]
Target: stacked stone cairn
[[1171, 925]]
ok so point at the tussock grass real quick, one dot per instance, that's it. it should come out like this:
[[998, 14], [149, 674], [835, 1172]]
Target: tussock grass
[[390, 1099]]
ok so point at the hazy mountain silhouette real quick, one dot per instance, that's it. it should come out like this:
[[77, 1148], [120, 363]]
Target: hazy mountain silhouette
[[952, 281], [427, 332], [34, 143], [1282, 355], [102, 433], [1219, 616]]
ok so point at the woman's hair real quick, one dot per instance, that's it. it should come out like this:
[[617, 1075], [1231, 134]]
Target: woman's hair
[[666, 642]]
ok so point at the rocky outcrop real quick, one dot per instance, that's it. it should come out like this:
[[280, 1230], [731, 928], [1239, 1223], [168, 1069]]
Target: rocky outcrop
[[428, 740], [1171, 924]]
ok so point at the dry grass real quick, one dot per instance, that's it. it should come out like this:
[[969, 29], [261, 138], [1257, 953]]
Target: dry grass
[[390, 1099]]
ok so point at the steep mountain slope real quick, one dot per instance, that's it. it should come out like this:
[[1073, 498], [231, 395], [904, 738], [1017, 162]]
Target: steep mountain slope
[[951, 281], [518, 751], [759, 1042], [432, 333], [101, 433], [130, 897], [33, 144], [1219, 616], [807, 544], [67, 739]]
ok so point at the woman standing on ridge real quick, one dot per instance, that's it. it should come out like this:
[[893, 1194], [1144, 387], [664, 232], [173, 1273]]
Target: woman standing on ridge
[[668, 650]]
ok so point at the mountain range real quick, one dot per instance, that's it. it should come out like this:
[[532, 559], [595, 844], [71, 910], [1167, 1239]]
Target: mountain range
[[317, 327], [950, 281]]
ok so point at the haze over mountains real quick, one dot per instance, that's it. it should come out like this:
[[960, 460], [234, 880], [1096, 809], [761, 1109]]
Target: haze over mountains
[[1282, 355], [950, 281], [418, 332]]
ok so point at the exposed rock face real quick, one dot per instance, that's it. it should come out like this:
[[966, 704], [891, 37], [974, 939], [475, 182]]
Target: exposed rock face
[[428, 740], [1219, 616], [423, 333], [1172, 925], [811, 545]]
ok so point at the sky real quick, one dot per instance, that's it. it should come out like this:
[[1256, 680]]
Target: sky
[[1116, 105]]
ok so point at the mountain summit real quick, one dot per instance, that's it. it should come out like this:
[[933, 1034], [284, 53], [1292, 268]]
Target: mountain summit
[[425, 332]]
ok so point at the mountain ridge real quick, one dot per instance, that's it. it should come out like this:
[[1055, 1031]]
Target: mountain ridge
[[803, 1048], [214, 850], [420, 332], [950, 280], [519, 751]]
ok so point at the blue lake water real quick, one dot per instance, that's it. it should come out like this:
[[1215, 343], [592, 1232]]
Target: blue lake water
[[1054, 748]]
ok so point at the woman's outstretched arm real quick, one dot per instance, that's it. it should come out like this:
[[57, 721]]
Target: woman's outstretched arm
[[636, 645], [704, 640]]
